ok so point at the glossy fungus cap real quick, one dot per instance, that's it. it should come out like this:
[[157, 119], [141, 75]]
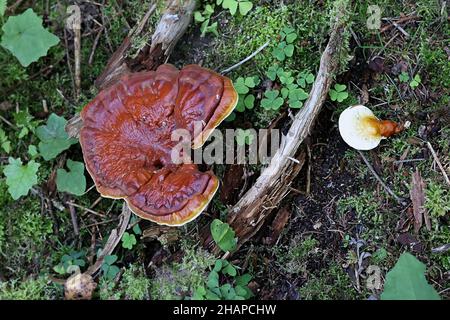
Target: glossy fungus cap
[[126, 139]]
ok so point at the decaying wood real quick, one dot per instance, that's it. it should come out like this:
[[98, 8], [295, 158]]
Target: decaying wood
[[250, 213], [172, 25]]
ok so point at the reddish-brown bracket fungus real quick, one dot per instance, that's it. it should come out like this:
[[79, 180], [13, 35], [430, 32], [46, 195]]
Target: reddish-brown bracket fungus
[[362, 130], [126, 139]]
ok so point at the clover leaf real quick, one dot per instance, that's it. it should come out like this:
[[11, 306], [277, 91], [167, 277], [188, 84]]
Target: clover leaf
[[272, 72], [272, 100], [338, 93], [415, 81], [25, 37], [73, 181], [20, 178], [403, 77], [289, 34], [54, 139], [108, 268], [232, 5], [128, 240], [223, 235], [305, 78], [283, 50]]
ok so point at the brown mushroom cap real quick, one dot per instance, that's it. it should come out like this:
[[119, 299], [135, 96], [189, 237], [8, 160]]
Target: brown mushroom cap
[[126, 139]]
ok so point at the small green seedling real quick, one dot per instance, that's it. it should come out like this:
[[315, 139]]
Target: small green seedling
[[244, 137], [415, 82], [339, 93], [305, 78], [33, 151], [272, 100], [243, 87], [71, 262], [4, 141], [108, 268], [403, 77], [204, 17], [286, 47], [213, 290], [25, 123], [232, 5], [223, 235]]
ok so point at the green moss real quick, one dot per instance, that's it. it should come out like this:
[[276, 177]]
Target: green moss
[[29, 289], [134, 285], [244, 35], [178, 280], [332, 283], [294, 258], [24, 234]]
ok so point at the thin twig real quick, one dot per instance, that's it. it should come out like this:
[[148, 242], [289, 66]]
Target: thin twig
[[85, 209], [246, 59], [388, 190], [438, 163], [8, 123], [94, 46], [73, 216]]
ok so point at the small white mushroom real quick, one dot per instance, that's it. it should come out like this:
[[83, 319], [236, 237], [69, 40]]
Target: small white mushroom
[[362, 130]]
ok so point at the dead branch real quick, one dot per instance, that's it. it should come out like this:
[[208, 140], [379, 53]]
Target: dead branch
[[250, 213], [113, 240]]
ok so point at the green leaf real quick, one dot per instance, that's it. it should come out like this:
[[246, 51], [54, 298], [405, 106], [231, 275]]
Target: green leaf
[[223, 235], [339, 87], [278, 53], [230, 270], [231, 117], [218, 265], [54, 138], [20, 178], [231, 5], [291, 37], [403, 77], [110, 259], [289, 50], [4, 141], [249, 101], [25, 37], [245, 7], [198, 17], [2, 7], [112, 272], [406, 281], [272, 72], [128, 240], [244, 137], [32, 151], [213, 280], [244, 279], [240, 87], [136, 229], [74, 181], [251, 82]]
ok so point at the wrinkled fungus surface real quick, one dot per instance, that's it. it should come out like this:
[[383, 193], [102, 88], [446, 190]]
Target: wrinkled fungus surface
[[126, 139]]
